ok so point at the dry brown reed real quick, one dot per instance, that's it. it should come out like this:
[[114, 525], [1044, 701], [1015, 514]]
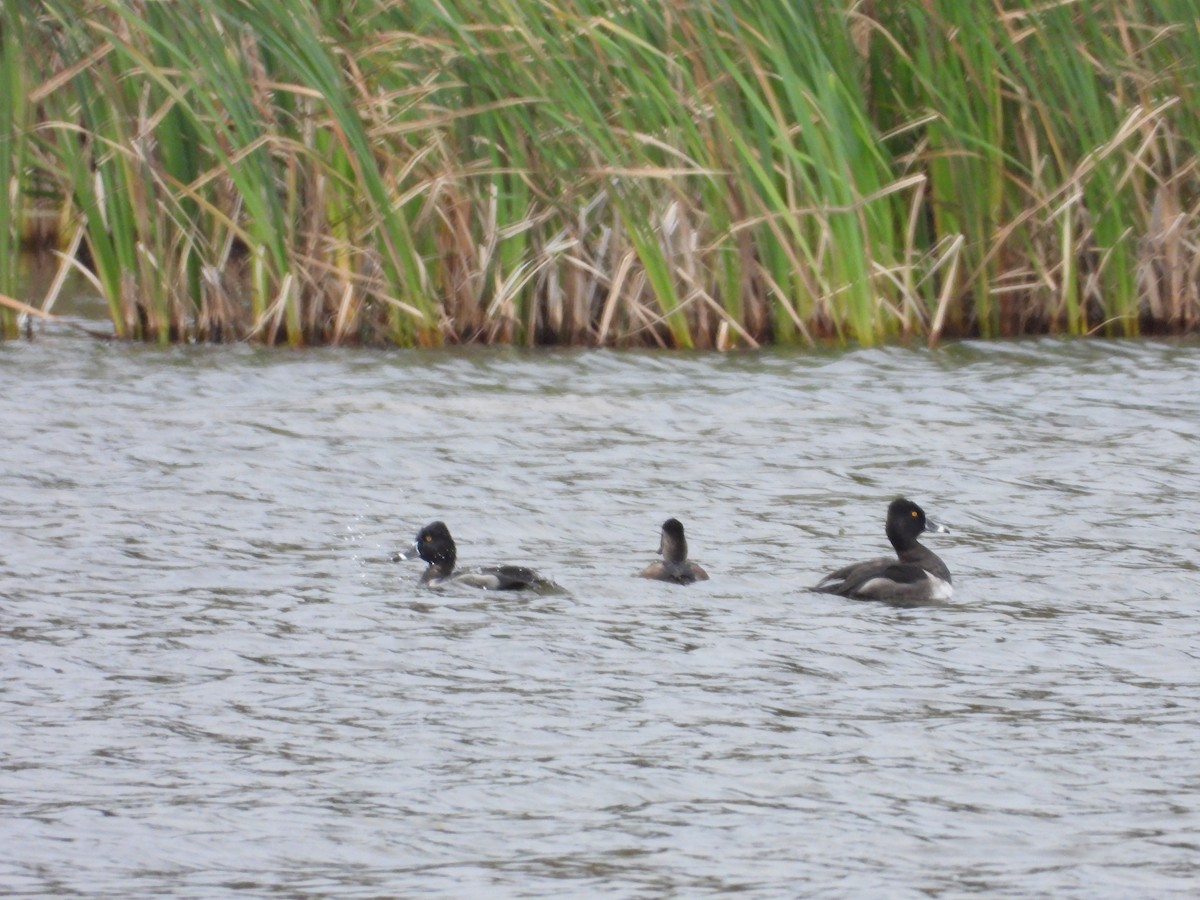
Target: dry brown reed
[[654, 174]]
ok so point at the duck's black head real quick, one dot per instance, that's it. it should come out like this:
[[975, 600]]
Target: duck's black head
[[673, 545], [435, 546], [905, 522]]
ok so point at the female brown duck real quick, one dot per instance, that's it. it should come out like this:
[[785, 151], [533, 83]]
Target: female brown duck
[[674, 566]]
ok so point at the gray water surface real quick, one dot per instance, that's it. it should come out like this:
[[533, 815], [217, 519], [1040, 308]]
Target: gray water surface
[[215, 682]]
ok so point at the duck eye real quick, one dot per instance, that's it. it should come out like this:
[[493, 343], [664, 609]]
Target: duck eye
[[428, 538], [913, 513]]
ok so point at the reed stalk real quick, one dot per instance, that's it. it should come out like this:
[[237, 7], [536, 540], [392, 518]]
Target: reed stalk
[[14, 128], [679, 173]]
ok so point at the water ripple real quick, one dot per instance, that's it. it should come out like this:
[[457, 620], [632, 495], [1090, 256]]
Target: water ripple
[[215, 681]]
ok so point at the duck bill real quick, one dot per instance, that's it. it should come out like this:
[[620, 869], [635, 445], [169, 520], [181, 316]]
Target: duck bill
[[936, 527], [409, 552]]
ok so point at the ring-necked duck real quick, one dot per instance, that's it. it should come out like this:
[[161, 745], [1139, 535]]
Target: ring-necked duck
[[674, 566], [915, 576], [436, 547]]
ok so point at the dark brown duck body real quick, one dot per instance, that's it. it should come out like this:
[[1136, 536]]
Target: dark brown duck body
[[674, 567]]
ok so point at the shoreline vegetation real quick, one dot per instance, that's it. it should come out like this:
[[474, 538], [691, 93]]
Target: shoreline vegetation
[[680, 173]]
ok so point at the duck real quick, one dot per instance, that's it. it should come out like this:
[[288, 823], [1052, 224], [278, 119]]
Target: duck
[[436, 547], [916, 575], [674, 567]]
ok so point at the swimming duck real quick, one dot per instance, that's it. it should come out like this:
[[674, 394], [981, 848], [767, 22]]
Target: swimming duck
[[674, 566], [917, 575], [436, 547]]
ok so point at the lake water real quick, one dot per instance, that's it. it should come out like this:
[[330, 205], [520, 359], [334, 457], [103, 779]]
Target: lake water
[[215, 681]]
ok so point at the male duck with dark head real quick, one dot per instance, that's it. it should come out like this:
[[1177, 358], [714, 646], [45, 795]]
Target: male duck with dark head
[[916, 575], [436, 547], [674, 566]]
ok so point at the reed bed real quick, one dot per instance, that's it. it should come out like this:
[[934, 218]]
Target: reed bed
[[682, 173]]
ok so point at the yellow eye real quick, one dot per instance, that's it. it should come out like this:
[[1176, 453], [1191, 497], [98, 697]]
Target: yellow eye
[[429, 538], [913, 513]]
